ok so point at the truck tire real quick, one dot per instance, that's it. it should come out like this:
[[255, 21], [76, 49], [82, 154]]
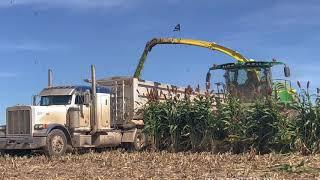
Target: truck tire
[[56, 144], [139, 144]]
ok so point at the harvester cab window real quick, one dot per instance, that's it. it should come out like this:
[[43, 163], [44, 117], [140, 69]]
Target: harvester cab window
[[245, 82], [242, 77], [233, 77]]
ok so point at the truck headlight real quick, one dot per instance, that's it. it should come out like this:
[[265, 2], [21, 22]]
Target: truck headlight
[[40, 126]]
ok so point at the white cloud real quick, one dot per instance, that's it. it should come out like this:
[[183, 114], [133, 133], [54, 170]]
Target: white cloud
[[70, 3], [8, 75], [30, 46]]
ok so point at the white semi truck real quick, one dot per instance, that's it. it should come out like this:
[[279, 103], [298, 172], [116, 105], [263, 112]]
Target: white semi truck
[[103, 114]]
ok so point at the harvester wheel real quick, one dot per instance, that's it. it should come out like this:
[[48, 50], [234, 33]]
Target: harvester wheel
[[56, 143]]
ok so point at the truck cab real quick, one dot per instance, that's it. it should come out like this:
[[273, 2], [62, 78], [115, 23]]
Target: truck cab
[[55, 102]]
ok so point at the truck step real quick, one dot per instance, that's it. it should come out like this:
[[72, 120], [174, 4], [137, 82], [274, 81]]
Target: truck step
[[88, 146]]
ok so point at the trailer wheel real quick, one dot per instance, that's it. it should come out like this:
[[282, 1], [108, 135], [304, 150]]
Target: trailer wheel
[[56, 143], [140, 142]]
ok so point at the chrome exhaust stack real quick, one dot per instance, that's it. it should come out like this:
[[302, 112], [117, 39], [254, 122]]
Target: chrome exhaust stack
[[50, 76], [93, 118]]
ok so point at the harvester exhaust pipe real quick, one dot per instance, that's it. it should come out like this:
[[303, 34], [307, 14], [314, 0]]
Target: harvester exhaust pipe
[[93, 118], [50, 76], [208, 80]]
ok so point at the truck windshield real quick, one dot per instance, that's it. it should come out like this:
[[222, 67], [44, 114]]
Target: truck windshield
[[55, 100]]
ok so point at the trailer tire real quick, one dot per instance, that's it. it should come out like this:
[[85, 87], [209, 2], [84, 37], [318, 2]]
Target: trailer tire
[[139, 143], [56, 144]]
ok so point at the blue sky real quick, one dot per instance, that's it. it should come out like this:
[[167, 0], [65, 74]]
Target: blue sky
[[70, 35]]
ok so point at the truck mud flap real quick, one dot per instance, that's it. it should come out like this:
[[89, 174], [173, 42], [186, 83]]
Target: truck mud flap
[[128, 136]]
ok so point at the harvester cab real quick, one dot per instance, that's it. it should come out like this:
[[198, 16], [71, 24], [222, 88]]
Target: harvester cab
[[248, 80]]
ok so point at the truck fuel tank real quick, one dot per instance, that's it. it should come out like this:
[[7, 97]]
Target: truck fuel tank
[[109, 140]]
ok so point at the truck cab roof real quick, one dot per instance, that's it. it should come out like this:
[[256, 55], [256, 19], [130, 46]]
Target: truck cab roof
[[69, 90]]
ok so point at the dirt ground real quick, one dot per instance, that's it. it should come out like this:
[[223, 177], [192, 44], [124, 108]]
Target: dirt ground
[[117, 164]]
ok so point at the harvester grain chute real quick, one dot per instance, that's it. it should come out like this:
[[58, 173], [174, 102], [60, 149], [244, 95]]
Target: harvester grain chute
[[192, 42]]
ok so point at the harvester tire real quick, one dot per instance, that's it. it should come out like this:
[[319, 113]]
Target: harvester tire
[[56, 144]]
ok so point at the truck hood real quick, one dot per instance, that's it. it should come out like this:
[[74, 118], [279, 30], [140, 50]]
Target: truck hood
[[49, 114], [44, 114], [31, 115]]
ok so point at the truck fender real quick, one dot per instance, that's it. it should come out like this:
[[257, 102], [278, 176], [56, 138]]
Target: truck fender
[[62, 128]]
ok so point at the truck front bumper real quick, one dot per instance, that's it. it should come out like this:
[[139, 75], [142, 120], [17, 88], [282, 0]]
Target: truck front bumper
[[22, 143]]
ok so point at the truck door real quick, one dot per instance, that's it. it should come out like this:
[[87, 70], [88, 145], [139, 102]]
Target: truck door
[[103, 107], [84, 111]]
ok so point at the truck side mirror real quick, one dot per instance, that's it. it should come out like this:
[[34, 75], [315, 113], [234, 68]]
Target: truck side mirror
[[86, 99], [208, 79], [34, 100], [286, 71]]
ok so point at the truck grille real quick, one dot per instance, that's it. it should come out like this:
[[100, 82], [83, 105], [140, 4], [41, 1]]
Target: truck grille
[[18, 122]]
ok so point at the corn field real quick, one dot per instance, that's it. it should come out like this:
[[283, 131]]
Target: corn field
[[205, 124]]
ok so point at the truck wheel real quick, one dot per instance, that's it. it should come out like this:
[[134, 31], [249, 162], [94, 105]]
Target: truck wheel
[[140, 142], [56, 143]]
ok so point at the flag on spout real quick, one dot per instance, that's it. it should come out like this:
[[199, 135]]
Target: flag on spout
[[177, 28]]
